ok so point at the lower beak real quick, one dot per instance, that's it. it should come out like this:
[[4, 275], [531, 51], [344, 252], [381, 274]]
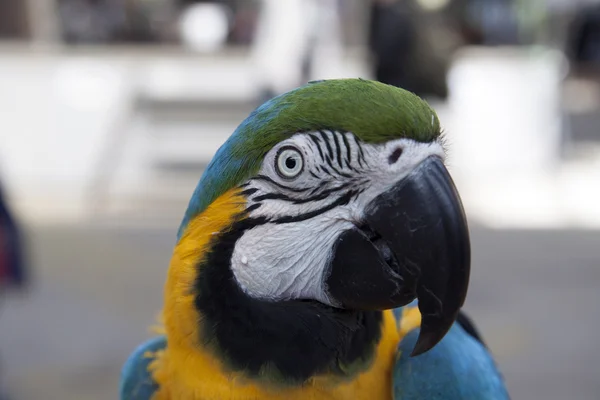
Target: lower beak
[[414, 244]]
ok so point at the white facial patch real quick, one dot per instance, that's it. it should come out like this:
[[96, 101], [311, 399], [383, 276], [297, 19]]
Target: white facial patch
[[286, 261], [287, 257]]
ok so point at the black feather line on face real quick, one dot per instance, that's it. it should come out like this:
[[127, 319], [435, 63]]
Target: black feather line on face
[[248, 192], [285, 342], [361, 154], [327, 144], [302, 200], [274, 182], [338, 148], [253, 207], [335, 170], [317, 141], [324, 169], [348, 152], [342, 200]]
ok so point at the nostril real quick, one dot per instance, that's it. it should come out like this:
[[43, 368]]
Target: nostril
[[395, 155]]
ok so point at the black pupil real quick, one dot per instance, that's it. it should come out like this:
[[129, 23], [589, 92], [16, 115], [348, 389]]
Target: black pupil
[[290, 162]]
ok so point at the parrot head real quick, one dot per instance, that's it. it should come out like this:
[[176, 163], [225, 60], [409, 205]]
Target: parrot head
[[342, 201]]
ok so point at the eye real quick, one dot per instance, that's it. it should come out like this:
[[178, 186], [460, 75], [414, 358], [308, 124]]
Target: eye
[[289, 162]]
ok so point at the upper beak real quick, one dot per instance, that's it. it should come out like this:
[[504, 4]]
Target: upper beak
[[414, 244]]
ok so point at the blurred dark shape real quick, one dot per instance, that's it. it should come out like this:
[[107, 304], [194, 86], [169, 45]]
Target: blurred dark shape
[[583, 43], [244, 24], [14, 23], [581, 83], [486, 22], [91, 21], [13, 272], [403, 55], [244, 18], [185, 3], [12, 267], [115, 21], [143, 21]]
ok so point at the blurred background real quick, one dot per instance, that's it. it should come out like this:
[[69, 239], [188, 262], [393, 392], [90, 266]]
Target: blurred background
[[110, 109]]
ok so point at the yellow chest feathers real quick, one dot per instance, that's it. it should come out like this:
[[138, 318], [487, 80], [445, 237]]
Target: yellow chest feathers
[[184, 370], [183, 374]]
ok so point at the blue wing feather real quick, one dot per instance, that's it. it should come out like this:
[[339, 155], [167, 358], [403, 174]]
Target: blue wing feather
[[136, 382], [459, 367]]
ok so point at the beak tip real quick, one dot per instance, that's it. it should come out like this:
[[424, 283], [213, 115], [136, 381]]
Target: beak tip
[[431, 333], [425, 342]]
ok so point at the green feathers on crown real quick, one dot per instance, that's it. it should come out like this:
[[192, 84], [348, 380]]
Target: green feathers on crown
[[373, 111]]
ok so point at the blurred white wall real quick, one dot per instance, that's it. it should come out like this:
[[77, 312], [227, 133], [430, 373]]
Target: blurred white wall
[[291, 31], [60, 108], [504, 127], [505, 106], [54, 114]]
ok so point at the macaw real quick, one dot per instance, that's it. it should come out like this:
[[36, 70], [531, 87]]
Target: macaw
[[324, 254]]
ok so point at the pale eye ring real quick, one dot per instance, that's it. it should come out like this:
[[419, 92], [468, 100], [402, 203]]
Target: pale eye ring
[[289, 162]]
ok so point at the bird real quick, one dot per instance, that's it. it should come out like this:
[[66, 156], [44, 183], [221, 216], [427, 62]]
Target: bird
[[324, 254]]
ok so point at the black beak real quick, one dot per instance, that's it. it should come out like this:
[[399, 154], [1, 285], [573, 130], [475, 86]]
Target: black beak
[[414, 244]]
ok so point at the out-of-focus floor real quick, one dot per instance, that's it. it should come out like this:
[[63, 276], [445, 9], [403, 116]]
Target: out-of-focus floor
[[97, 290]]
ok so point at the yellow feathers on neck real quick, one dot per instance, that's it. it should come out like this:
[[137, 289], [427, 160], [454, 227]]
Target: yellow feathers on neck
[[181, 319], [184, 365], [188, 370]]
